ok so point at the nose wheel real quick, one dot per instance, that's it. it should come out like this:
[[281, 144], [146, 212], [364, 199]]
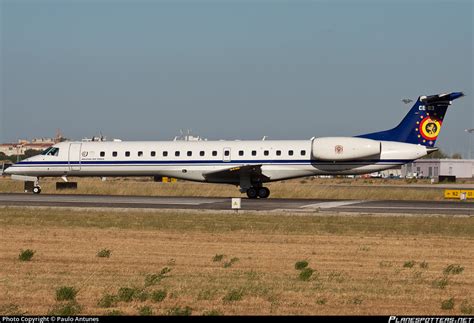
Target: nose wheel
[[36, 187], [261, 192]]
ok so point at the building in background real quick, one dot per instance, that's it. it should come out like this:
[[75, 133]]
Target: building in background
[[40, 143], [14, 149], [439, 168]]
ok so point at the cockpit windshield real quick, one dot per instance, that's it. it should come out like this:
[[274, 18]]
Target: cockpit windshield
[[51, 151]]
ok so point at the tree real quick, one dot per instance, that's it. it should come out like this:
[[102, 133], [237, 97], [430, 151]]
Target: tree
[[456, 156], [12, 158], [439, 154], [30, 153]]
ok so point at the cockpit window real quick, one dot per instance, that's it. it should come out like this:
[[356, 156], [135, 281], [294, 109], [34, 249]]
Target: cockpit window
[[51, 151], [45, 152]]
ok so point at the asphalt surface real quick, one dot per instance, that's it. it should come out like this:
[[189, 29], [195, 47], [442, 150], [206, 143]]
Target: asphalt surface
[[204, 203]]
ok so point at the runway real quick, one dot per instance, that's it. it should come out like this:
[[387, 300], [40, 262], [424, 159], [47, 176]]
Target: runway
[[204, 203]]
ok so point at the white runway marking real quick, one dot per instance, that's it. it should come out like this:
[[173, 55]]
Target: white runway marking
[[412, 208], [108, 199], [329, 205]]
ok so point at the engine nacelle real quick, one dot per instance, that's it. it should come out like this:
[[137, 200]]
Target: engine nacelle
[[344, 148]]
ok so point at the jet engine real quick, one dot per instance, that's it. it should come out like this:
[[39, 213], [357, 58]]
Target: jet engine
[[344, 148]]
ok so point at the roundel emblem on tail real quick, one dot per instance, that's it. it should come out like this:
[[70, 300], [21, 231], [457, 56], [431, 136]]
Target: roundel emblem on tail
[[430, 127], [339, 149]]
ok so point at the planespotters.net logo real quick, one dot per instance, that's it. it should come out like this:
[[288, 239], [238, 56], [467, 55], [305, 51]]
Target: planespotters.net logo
[[395, 319]]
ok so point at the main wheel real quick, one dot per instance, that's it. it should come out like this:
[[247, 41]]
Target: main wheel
[[36, 190], [252, 193], [263, 192]]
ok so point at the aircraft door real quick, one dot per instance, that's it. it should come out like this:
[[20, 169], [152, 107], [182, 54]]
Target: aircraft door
[[226, 155], [74, 157]]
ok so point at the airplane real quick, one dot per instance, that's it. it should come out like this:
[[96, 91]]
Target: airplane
[[247, 164]]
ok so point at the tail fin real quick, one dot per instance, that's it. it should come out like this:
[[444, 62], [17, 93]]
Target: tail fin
[[423, 122]]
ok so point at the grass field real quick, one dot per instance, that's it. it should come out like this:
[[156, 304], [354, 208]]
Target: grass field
[[374, 189], [171, 263]]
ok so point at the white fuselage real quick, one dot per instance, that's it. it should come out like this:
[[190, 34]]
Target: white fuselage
[[192, 160]]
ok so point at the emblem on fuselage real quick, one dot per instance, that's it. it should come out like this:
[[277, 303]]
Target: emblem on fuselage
[[339, 149]]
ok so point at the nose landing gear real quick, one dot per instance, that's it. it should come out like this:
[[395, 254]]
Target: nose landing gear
[[36, 187], [31, 184]]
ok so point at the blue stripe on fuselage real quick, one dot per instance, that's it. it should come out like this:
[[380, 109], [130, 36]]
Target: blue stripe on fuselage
[[204, 162]]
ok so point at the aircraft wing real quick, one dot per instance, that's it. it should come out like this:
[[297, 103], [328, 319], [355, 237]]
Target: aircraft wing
[[236, 172]]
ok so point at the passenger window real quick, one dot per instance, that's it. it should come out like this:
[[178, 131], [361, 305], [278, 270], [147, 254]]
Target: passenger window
[[241, 152], [102, 154], [201, 153], [127, 154], [278, 152], [114, 154], [153, 154], [165, 154], [214, 153], [226, 153], [254, 153], [190, 153], [140, 154], [290, 152], [265, 152], [303, 152], [176, 153]]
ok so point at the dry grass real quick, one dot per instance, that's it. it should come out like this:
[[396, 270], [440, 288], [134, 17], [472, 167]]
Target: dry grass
[[358, 262], [375, 189]]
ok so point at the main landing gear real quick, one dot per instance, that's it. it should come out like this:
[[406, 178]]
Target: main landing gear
[[36, 190], [261, 192]]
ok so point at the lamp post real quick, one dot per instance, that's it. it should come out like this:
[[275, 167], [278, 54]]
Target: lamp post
[[469, 131]]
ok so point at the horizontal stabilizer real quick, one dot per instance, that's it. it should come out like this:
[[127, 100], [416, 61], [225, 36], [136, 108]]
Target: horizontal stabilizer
[[441, 97]]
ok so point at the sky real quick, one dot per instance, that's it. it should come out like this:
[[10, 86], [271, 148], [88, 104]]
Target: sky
[[143, 70]]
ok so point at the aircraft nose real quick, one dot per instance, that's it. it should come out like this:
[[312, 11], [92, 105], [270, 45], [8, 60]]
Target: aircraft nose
[[9, 171]]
